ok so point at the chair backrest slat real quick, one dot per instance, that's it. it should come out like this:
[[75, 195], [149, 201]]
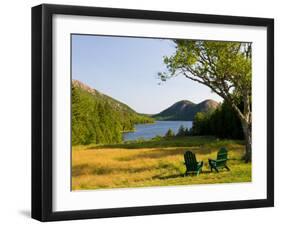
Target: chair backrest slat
[[222, 157], [190, 161]]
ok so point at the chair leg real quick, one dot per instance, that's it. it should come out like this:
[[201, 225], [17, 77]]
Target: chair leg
[[227, 168], [211, 165], [216, 169]]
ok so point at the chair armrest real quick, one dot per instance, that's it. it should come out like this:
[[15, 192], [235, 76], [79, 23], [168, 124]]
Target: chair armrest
[[221, 160]]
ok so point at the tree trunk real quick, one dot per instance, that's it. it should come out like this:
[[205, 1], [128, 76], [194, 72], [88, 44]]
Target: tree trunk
[[248, 139], [246, 122]]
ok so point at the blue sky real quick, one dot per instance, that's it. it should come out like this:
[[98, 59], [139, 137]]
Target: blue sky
[[126, 69]]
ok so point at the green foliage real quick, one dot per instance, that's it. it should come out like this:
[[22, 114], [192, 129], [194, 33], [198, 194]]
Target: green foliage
[[170, 133], [157, 138], [201, 124], [187, 132], [93, 120], [222, 123], [99, 119], [182, 131], [223, 66]]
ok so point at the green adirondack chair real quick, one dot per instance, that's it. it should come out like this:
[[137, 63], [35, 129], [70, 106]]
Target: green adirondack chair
[[192, 166], [220, 162]]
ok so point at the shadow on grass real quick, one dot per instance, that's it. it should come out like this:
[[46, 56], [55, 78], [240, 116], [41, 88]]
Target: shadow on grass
[[164, 177], [173, 176], [159, 153], [154, 154], [85, 169]]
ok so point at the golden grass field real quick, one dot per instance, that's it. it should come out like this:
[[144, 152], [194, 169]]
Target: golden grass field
[[154, 164]]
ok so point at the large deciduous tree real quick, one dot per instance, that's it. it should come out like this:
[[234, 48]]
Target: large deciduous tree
[[225, 67]]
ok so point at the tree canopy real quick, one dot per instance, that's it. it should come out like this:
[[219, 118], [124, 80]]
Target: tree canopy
[[225, 67]]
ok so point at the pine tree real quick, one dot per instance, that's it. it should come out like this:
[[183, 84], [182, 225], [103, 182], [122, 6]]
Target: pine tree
[[170, 133], [181, 131]]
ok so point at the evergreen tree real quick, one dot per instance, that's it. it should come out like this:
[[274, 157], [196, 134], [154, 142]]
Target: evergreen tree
[[181, 132], [170, 133], [223, 123]]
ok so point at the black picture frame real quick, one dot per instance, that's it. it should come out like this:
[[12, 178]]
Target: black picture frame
[[42, 111]]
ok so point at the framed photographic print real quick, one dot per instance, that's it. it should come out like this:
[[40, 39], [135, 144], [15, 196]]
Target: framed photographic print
[[145, 112]]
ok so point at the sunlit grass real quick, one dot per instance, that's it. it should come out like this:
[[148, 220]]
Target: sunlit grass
[[154, 163]]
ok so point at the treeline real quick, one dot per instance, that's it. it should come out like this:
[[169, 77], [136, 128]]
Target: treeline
[[99, 119], [222, 123], [182, 131]]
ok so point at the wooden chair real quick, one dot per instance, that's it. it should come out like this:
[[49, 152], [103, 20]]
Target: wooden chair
[[220, 162], [192, 166]]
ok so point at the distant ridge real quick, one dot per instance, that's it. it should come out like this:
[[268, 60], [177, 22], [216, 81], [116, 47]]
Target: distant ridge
[[185, 110]]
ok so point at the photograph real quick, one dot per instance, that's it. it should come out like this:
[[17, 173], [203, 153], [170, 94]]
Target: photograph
[[151, 112]]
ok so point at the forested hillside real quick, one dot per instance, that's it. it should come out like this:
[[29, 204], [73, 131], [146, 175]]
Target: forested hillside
[[185, 110], [222, 123], [98, 118]]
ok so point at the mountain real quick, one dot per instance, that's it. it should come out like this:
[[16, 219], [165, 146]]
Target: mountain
[[185, 110], [115, 104], [98, 118]]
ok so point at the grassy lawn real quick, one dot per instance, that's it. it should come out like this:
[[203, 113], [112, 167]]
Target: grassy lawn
[[157, 162]]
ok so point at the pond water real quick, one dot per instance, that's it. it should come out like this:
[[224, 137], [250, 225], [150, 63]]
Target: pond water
[[148, 131]]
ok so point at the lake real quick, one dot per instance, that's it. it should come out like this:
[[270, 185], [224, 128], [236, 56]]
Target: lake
[[148, 131]]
